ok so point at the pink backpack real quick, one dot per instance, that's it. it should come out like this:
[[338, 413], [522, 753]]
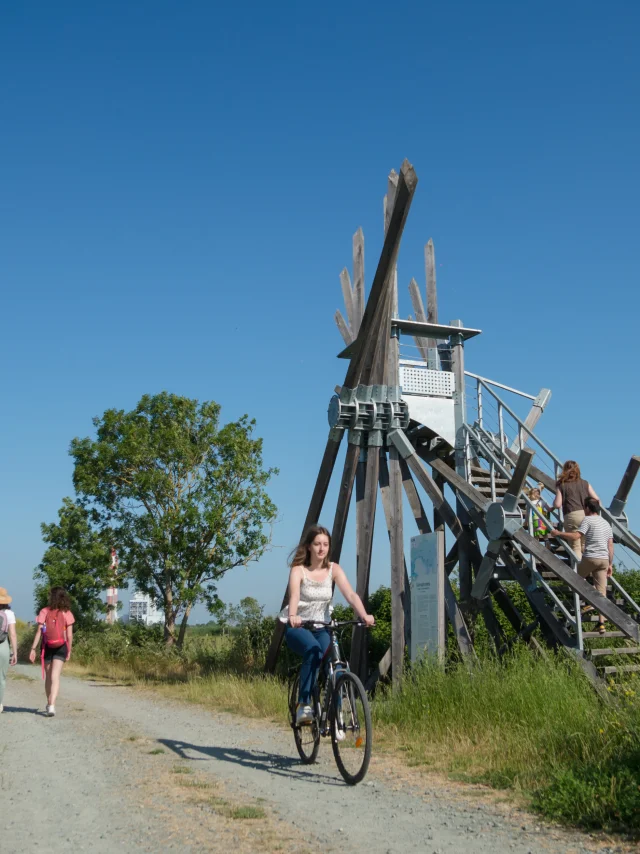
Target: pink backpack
[[54, 629]]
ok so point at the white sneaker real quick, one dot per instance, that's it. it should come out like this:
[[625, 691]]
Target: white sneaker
[[51, 711], [304, 714], [1, 708]]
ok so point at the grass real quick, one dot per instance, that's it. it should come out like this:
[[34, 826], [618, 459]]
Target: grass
[[156, 751], [534, 727]]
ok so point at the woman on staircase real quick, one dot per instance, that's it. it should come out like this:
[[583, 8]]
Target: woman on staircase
[[572, 492]]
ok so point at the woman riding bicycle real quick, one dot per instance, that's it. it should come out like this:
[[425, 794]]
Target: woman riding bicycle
[[311, 583]]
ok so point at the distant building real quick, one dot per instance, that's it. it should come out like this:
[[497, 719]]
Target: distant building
[[143, 610]]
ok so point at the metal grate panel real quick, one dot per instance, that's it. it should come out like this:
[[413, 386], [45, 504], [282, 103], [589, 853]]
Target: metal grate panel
[[420, 380]]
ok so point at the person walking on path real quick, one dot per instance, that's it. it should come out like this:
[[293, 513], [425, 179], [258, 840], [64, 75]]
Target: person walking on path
[[311, 583], [571, 494], [55, 633], [597, 558], [8, 641]]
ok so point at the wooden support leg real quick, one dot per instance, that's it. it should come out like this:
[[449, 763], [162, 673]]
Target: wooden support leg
[[385, 494], [366, 524], [398, 568], [313, 514], [622, 493], [344, 500]]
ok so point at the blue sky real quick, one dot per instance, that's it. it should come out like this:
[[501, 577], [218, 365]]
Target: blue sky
[[181, 181]]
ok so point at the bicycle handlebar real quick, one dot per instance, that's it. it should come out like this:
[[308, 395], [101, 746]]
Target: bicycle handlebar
[[332, 624]]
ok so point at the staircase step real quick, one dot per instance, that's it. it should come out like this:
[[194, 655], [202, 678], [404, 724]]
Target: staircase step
[[605, 635], [621, 650], [628, 668]]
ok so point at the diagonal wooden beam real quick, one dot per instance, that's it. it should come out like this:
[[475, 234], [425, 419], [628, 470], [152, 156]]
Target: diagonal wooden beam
[[358, 279], [343, 327], [347, 294], [413, 498], [418, 308], [407, 182], [518, 480], [344, 500], [622, 493]]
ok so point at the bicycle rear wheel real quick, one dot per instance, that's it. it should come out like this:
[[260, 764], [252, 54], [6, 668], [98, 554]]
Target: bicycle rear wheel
[[307, 738], [351, 730]]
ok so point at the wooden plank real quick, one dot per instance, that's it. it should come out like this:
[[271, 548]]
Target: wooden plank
[[398, 569], [621, 650], [485, 571], [374, 310], [358, 280], [347, 294], [628, 668], [413, 498], [343, 327]]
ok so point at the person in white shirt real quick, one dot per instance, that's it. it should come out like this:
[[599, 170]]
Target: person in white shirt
[[8, 640], [597, 554]]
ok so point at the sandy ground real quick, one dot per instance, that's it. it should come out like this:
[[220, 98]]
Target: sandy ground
[[124, 768]]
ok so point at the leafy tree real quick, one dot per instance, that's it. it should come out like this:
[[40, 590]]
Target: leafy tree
[[248, 611], [78, 559], [186, 496]]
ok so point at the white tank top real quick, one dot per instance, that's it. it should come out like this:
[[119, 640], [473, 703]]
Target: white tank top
[[315, 599]]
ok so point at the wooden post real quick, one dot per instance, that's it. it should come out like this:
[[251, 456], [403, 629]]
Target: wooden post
[[358, 279], [432, 295], [344, 500], [622, 493], [398, 569], [459, 404], [537, 408]]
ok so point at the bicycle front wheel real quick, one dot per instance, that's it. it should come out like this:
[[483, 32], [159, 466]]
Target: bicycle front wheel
[[307, 738], [351, 731]]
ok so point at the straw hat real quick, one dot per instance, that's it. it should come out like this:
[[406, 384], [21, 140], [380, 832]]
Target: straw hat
[[5, 599]]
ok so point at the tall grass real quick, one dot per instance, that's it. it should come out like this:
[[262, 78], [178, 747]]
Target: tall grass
[[534, 726]]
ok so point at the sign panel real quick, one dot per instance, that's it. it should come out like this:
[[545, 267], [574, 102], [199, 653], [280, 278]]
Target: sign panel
[[427, 596]]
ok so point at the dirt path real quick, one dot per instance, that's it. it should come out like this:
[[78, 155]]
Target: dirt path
[[126, 769]]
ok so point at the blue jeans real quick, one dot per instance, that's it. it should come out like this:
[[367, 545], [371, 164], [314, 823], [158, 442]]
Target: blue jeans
[[311, 645]]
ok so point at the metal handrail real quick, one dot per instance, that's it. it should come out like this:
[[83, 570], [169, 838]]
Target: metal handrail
[[603, 510], [500, 385]]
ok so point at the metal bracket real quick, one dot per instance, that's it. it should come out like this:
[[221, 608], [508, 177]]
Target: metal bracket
[[368, 408]]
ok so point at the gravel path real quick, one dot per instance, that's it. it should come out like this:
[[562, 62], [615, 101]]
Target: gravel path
[[125, 768]]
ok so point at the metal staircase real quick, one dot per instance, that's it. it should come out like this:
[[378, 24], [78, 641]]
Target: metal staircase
[[493, 438]]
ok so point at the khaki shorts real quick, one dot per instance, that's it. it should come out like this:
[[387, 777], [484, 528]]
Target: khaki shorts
[[596, 567], [572, 522]]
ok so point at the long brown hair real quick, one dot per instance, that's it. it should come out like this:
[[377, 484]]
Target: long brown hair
[[301, 555], [59, 599], [570, 472]]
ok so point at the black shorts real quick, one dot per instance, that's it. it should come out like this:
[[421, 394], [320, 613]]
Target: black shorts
[[53, 653]]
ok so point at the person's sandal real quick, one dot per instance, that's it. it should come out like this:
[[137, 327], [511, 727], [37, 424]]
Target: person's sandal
[[587, 608], [602, 629]]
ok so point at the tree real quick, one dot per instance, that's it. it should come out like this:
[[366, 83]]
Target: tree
[[186, 496], [78, 559], [248, 611]]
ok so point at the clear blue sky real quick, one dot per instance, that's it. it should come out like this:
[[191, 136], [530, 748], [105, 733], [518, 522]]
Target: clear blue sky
[[180, 183]]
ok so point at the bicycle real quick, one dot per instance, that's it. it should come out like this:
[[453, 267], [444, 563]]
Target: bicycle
[[340, 709]]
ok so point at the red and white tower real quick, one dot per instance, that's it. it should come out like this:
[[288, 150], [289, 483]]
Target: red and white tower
[[112, 592]]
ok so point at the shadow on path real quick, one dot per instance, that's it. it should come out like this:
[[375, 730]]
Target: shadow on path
[[23, 710], [260, 760]]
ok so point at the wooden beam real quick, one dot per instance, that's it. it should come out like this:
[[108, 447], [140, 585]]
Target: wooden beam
[[366, 523], [347, 293], [413, 498], [432, 295], [535, 413], [358, 279], [344, 500], [343, 327], [622, 493], [418, 308], [398, 569], [385, 494], [407, 182], [518, 480]]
